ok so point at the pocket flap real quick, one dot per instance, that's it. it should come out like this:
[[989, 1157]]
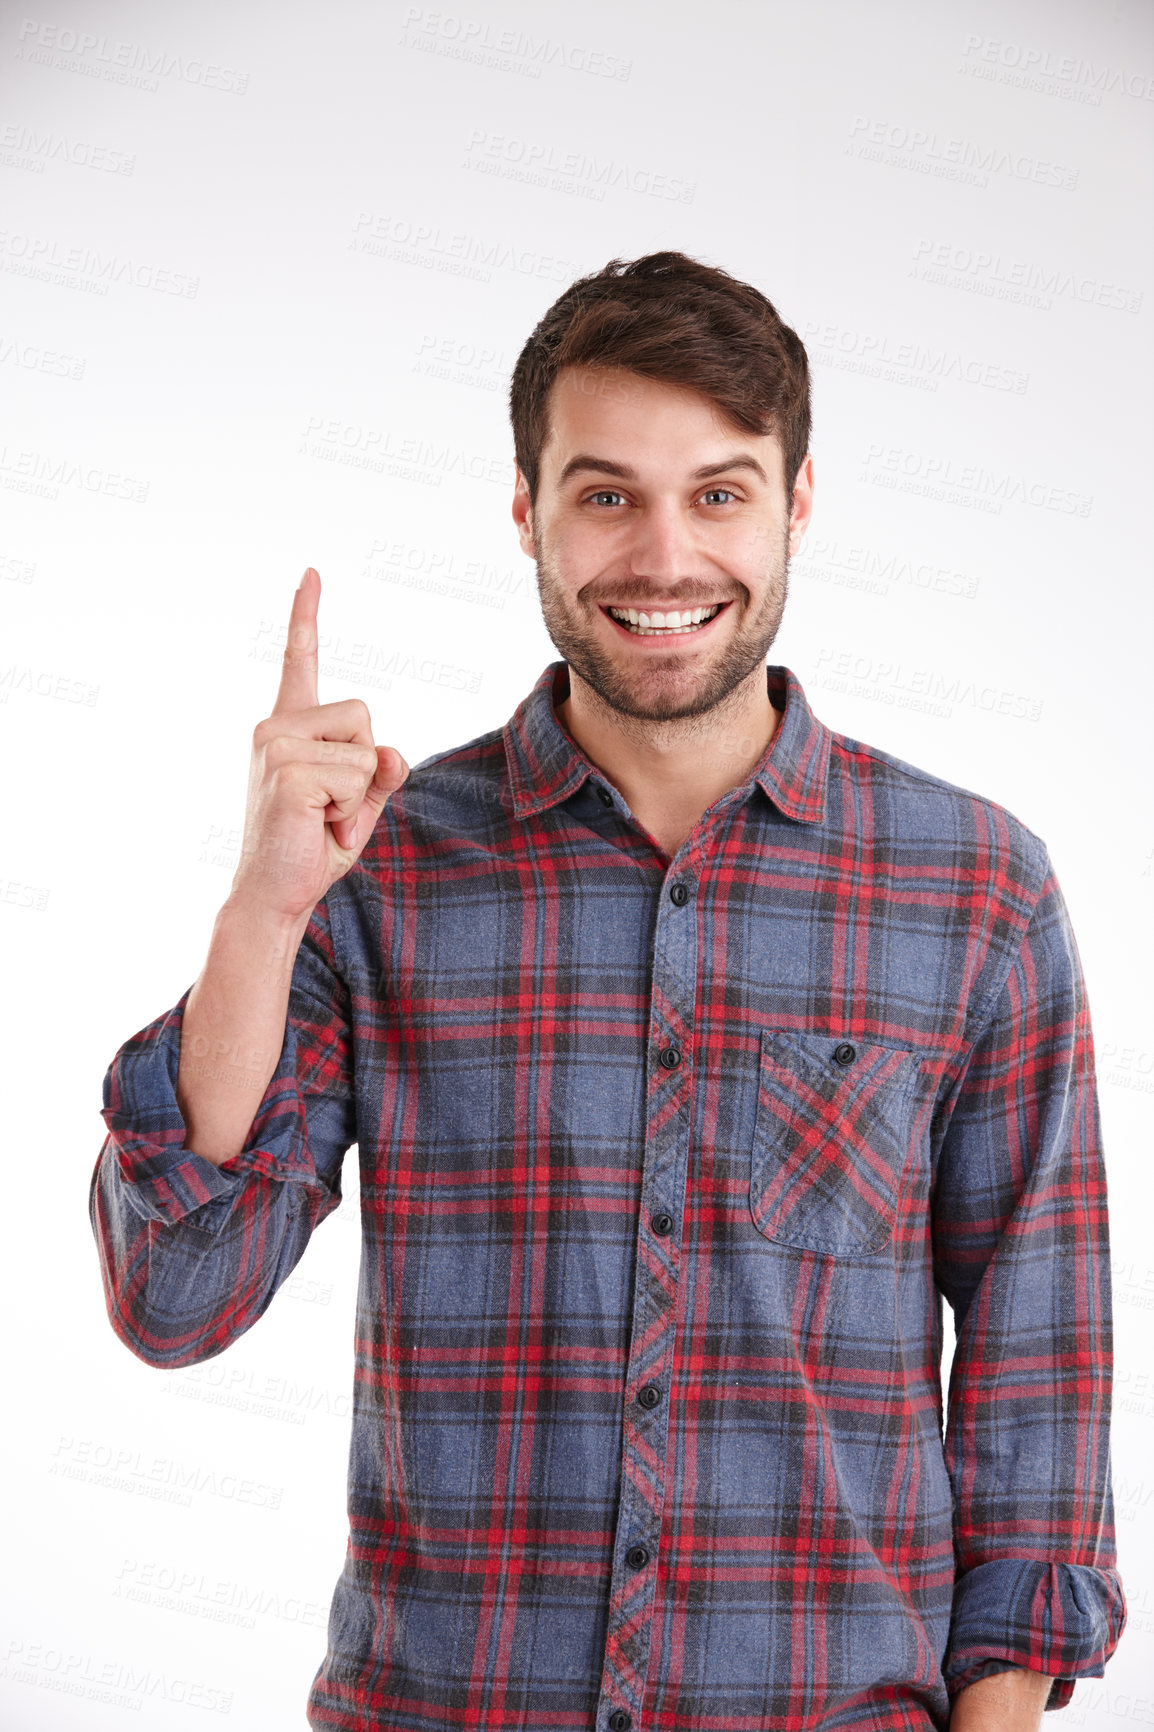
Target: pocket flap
[[831, 1140]]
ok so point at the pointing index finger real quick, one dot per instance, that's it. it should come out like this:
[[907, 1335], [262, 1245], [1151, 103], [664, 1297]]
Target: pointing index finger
[[298, 679]]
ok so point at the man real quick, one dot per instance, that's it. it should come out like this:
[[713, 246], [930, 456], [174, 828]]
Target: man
[[693, 1052]]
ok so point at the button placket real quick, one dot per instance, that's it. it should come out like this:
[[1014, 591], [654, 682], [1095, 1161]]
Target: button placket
[[645, 1414]]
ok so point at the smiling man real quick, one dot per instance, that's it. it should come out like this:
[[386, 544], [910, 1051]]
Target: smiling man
[[694, 1053], [664, 592]]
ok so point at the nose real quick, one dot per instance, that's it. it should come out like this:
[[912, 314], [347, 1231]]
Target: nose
[[664, 545]]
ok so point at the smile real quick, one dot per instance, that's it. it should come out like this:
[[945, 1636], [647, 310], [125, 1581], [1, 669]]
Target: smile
[[643, 624]]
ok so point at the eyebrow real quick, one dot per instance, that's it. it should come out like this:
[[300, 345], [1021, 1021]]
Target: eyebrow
[[603, 466]]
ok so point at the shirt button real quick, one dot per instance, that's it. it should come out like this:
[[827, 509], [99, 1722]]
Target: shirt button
[[606, 799], [650, 1395], [845, 1053], [670, 1057], [678, 894], [619, 1721], [662, 1225], [637, 1557]]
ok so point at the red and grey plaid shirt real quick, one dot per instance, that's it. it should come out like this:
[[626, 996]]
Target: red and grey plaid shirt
[[665, 1167]]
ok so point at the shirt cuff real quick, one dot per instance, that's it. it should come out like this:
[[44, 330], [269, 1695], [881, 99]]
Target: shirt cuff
[[147, 1130], [1060, 1619]]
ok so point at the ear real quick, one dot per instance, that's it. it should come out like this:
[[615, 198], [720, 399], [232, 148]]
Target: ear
[[802, 506], [523, 514]]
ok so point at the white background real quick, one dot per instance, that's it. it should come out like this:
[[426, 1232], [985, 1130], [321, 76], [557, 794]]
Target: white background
[[266, 270]]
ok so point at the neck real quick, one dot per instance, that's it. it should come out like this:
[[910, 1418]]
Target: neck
[[670, 772]]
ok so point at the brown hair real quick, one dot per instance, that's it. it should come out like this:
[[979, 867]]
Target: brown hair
[[674, 319]]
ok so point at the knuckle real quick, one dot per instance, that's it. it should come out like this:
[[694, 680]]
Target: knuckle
[[287, 774], [282, 750]]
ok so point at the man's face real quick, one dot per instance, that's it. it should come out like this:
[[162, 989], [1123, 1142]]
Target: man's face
[[649, 501]]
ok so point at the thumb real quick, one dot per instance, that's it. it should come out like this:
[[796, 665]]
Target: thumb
[[391, 772]]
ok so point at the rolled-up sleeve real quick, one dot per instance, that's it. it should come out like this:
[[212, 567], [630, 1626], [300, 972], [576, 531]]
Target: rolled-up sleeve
[[192, 1253], [1021, 1252]]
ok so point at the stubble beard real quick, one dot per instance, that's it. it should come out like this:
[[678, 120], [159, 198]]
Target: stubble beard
[[654, 692]]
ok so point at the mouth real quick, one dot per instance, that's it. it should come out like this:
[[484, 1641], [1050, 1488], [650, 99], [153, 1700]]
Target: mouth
[[685, 622]]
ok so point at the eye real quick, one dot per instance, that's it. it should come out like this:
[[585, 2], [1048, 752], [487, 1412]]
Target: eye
[[605, 493], [714, 491]]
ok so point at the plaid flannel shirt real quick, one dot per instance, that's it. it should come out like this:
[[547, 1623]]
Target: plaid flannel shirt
[[665, 1168]]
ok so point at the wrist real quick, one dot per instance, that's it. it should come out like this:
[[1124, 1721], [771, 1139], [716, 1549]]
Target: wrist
[[241, 912], [1009, 1701]]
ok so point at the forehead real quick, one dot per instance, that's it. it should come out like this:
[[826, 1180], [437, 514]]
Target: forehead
[[627, 417]]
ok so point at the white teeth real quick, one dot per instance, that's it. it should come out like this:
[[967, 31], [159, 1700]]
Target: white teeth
[[667, 622]]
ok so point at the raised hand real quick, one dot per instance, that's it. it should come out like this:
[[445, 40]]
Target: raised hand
[[317, 782]]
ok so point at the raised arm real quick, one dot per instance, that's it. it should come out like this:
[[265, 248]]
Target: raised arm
[[228, 1116], [314, 773]]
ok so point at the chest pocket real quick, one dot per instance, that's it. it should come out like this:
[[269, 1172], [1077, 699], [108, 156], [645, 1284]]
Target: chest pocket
[[830, 1140]]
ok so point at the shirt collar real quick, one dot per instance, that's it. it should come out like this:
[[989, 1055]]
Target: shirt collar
[[546, 766]]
